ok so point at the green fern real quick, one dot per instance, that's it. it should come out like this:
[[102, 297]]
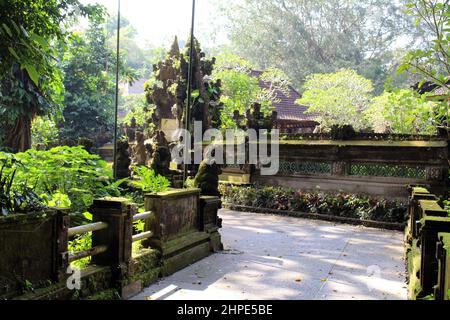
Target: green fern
[[149, 182]]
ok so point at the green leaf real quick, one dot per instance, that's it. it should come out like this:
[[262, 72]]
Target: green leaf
[[88, 216], [39, 39], [195, 94], [15, 27], [14, 53], [7, 29], [33, 73]]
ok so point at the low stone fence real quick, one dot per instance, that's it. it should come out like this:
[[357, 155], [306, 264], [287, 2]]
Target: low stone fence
[[428, 247], [181, 227], [377, 167]]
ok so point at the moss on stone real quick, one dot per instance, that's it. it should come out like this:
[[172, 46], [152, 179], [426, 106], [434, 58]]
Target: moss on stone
[[146, 266], [24, 218], [110, 294], [413, 257], [173, 193], [445, 240]]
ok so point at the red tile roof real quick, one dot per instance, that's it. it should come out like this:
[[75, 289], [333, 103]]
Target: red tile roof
[[287, 108]]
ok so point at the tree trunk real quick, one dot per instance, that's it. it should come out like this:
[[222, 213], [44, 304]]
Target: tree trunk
[[18, 135]]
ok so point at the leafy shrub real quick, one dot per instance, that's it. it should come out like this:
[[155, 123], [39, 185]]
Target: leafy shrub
[[337, 204], [447, 206], [148, 181], [43, 131], [70, 171], [15, 198], [81, 243], [57, 200]]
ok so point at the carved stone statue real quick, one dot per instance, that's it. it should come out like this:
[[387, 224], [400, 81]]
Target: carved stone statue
[[255, 118], [130, 130], [123, 160], [156, 118], [207, 179], [169, 94], [139, 151], [148, 149], [161, 156]]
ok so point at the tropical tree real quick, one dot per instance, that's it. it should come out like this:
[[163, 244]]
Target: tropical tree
[[30, 83], [89, 67], [401, 111], [241, 86], [432, 61], [338, 99], [303, 37]]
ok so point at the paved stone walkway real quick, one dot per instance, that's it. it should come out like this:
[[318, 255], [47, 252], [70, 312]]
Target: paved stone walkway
[[272, 257]]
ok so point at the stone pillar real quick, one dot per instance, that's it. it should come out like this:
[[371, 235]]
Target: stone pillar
[[442, 289], [416, 194], [117, 213], [62, 255], [210, 221], [430, 227], [340, 168]]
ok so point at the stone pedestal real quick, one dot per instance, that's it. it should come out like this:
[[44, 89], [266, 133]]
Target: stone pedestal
[[176, 228], [30, 250]]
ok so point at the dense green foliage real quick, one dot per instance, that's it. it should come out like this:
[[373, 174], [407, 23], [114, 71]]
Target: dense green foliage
[[240, 88], [43, 131], [432, 61], [345, 98], [30, 81], [88, 67], [148, 181], [136, 107], [337, 98], [78, 244], [338, 204], [401, 111], [15, 198], [28, 29], [64, 176]]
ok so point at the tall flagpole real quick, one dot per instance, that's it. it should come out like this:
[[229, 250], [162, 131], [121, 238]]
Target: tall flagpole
[[189, 89], [116, 109]]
